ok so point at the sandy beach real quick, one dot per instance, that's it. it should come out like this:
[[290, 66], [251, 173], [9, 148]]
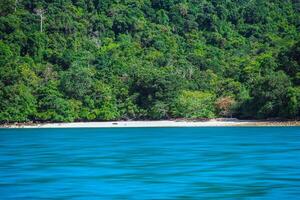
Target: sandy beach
[[162, 123]]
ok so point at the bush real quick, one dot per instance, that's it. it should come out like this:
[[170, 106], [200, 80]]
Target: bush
[[225, 106], [194, 104]]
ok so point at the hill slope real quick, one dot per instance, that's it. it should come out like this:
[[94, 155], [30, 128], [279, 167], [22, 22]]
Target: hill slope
[[66, 60]]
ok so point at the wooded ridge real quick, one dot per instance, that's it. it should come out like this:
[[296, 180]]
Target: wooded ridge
[[87, 60]]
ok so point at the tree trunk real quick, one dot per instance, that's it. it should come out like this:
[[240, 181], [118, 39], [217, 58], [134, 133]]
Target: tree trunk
[[41, 23]]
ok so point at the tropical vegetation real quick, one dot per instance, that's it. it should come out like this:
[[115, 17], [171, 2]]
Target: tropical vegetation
[[86, 60]]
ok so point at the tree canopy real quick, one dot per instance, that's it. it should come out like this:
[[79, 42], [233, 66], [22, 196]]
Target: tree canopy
[[77, 60]]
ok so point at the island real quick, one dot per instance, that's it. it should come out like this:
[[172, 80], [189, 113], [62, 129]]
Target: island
[[86, 61]]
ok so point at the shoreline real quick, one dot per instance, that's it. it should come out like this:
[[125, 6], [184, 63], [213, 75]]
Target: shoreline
[[161, 123]]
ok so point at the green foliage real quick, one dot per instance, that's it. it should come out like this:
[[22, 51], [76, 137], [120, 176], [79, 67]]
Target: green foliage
[[110, 60], [194, 104], [53, 107], [159, 110], [105, 102], [77, 82], [290, 62], [293, 108], [17, 103], [156, 88], [270, 95]]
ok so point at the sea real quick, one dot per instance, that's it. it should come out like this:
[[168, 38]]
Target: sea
[[150, 163]]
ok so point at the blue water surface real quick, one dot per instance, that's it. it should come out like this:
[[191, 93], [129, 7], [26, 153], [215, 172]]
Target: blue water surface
[[150, 163]]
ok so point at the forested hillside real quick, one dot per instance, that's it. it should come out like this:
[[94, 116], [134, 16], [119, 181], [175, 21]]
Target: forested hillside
[[83, 60]]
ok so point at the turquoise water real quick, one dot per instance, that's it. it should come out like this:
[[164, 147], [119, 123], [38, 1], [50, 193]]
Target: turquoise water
[[150, 163]]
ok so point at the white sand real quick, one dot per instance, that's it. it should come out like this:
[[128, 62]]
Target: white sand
[[162, 123], [119, 124]]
